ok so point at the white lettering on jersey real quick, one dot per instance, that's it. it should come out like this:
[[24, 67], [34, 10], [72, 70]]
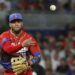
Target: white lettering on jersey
[[23, 51], [15, 44]]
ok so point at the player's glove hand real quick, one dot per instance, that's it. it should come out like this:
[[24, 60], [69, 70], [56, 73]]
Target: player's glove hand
[[19, 65]]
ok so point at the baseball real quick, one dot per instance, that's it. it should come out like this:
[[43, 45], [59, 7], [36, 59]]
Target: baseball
[[53, 7]]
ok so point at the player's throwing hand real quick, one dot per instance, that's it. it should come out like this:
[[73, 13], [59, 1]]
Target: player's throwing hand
[[28, 42]]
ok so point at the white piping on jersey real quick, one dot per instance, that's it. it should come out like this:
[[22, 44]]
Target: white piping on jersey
[[25, 49]]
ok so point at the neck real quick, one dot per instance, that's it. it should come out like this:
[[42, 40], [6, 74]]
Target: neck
[[17, 35]]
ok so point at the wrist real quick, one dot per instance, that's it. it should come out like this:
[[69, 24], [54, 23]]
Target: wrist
[[33, 60]]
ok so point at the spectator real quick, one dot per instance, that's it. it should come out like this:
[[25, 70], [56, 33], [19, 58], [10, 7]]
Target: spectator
[[5, 6], [55, 61], [64, 6], [63, 67], [72, 68], [73, 6], [24, 5], [35, 5]]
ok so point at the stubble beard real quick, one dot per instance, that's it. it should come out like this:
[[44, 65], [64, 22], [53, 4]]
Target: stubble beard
[[16, 31]]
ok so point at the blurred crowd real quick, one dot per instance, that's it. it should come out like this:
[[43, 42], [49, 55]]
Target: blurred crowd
[[58, 52], [35, 5], [44, 5]]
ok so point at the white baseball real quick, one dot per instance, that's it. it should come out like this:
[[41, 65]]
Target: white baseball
[[53, 7]]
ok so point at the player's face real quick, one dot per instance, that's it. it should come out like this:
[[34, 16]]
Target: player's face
[[16, 25]]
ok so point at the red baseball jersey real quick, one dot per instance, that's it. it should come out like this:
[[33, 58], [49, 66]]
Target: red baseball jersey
[[11, 44]]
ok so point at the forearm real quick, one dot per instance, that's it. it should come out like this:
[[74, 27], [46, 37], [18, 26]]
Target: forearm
[[36, 60], [9, 48]]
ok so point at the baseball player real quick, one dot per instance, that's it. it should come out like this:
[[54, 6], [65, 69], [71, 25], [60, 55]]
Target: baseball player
[[19, 50]]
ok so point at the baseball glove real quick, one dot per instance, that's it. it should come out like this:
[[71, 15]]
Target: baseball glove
[[19, 65]]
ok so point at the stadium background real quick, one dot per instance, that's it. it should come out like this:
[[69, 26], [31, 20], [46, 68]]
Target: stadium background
[[54, 31]]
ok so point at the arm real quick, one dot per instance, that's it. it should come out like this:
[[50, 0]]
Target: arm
[[35, 50], [8, 47]]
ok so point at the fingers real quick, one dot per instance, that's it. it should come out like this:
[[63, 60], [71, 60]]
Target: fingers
[[28, 42], [32, 43]]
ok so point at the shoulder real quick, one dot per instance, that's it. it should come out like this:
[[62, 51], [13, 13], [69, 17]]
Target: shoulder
[[4, 34], [27, 35]]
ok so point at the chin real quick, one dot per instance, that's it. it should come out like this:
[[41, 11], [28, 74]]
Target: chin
[[17, 31]]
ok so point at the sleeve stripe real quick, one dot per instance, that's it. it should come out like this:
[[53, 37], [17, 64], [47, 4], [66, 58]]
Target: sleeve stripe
[[37, 54], [6, 65], [4, 41]]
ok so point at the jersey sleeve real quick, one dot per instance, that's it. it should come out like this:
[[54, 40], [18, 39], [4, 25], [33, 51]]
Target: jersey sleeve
[[36, 52], [6, 45], [35, 49]]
